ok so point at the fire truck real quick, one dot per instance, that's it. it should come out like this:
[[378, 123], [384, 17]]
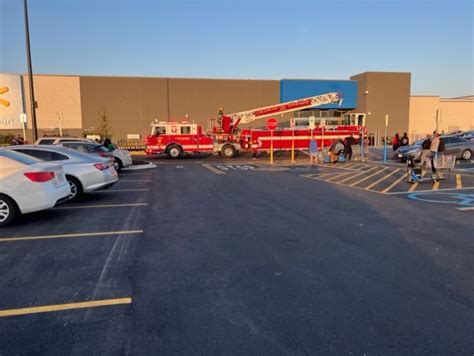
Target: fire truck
[[224, 136]]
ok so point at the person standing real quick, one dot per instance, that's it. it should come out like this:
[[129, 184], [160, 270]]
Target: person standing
[[404, 140], [396, 142], [108, 144], [349, 142], [434, 151]]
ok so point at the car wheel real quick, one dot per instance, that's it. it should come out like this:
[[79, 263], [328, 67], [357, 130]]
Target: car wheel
[[8, 210], [228, 151], [118, 165], [466, 155], [76, 188], [174, 151]]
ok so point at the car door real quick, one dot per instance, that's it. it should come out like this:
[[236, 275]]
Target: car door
[[453, 146]]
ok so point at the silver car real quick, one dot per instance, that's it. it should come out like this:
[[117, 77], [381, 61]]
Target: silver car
[[84, 172], [98, 149], [122, 158], [456, 146]]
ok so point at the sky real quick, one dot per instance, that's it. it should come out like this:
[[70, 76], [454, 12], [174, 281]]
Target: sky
[[259, 39]]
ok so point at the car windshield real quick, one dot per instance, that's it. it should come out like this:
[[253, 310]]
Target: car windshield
[[19, 157]]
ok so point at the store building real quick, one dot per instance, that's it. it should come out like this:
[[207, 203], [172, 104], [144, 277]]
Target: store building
[[75, 104]]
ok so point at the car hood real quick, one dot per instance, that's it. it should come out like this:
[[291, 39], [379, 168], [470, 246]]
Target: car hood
[[405, 149]]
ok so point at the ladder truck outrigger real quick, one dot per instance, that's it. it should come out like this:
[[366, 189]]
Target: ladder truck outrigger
[[224, 136]]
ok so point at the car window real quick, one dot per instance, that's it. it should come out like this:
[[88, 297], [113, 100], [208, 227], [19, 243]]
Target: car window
[[55, 156], [40, 154], [453, 140], [19, 157], [46, 141], [76, 147], [160, 130], [69, 140]]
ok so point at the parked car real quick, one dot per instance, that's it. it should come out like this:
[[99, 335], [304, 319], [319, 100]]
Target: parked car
[[404, 152], [27, 184], [121, 158], [457, 146], [468, 135], [84, 172]]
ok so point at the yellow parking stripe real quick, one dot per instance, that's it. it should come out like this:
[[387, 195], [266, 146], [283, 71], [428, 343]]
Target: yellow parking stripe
[[383, 178], [370, 176], [349, 165], [86, 234], [68, 306], [436, 185], [324, 175], [358, 174], [458, 181], [100, 206], [335, 176], [413, 187], [394, 183]]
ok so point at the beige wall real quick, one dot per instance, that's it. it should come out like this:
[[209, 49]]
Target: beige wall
[[384, 93], [454, 115], [133, 103], [55, 95]]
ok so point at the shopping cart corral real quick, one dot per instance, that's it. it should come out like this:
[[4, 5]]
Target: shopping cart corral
[[419, 168]]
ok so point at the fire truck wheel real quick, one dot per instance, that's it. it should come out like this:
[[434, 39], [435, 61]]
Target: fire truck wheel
[[228, 151], [174, 151]]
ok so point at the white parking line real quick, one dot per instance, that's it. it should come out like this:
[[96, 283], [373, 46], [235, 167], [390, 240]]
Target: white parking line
[[466, 208], [100, 206], [62, 236]]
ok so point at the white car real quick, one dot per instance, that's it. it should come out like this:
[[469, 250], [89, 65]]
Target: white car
[[84, 172], [122, 158], [28, 184]]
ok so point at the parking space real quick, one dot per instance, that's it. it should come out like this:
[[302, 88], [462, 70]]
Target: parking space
[[386, 179], [374, 177], [167, 250], [75, 256]]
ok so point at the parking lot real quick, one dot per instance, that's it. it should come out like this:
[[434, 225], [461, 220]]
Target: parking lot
[[204, 255]]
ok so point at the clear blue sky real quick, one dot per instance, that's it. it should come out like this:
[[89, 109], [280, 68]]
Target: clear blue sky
[[246, 39]]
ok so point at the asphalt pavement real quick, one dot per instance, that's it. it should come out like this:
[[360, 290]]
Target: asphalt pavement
[[210, 256]]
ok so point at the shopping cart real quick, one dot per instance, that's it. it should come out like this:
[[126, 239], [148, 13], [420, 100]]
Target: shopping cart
[[419, 167]]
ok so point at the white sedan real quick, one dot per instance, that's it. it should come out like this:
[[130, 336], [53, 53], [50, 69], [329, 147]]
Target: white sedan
[[84, 172], [28, 184]]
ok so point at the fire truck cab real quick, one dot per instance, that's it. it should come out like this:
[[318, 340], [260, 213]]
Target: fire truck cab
[[179, 138]]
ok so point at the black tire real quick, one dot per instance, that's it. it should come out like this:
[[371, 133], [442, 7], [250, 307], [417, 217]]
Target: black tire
[[8, 210], [466, 155], [118, 165], [228, 151], [174, 151], [76, 188]]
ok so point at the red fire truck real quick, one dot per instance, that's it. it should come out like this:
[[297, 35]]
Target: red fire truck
[[224, 136]]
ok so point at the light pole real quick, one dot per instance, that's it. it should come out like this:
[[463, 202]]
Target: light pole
[[438, 117], [60, 122], [30, 74], [385, 140]]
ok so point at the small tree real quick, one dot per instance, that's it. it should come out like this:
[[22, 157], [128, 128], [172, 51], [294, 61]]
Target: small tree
[[103, 125]]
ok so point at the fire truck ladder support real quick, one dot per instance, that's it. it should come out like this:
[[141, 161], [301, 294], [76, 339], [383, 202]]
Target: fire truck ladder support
[[245, 117]]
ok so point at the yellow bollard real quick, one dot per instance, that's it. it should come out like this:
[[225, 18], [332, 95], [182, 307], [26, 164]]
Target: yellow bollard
[[271, 148]]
